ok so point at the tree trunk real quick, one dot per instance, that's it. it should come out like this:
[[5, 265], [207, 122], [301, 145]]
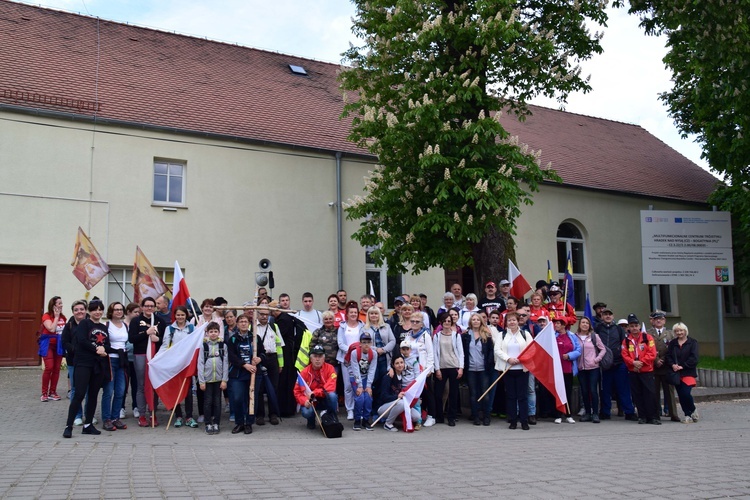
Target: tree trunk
[[491, 256]]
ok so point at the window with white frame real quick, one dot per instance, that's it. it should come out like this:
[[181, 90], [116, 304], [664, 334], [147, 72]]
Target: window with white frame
[[124, 275], [386, 287], [666, 298], [169, 183], [570, 242]]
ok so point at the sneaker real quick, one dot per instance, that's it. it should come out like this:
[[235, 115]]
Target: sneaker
[[694, 416], [178, 422], [68, 432], [570, 420], [122, 413], [368, 425], [231, 417], [595, 418], [582, 412], [216, 428], [201, 419], [274, 420], [90, 429], [688, 420], [191, 423], [136, 413], [586, 418], [350, 414], [390, 427], [94, 421], [44, 398], [558, 420], [209, 429], [118, 424], [418, 426], [142, 422], [108, 426], [54, 397], [69, 394], [357, 425], [430, 421], [78, 421]]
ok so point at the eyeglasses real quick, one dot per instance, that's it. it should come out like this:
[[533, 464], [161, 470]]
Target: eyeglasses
[[365, 341], [415, 321], [118, 309], [505, 285], [524, 315], [149, 306]]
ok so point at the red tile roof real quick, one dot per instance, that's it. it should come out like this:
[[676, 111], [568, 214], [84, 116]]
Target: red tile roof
[[161, 79]]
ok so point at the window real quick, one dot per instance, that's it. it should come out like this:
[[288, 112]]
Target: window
[[378, 276], [169, 183], [125, 276], [570, 242], [732, 300], [666, 298]]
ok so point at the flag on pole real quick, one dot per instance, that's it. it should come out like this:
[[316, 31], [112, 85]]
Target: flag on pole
[[549, 272], [88, 265], [170, 367], [180, 292], [148, 389], [411, 394], [518, 284], [570, 292], [301, 382], [587, 311], [146, 280], [542, 358]]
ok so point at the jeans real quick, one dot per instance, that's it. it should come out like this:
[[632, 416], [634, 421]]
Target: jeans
[[616, 376], [268, 387], [113, 393], [532, 395], [241, 399], [362, 406], [330, 403], [686, 398], [589, 381], [478, 383], [140, 377]]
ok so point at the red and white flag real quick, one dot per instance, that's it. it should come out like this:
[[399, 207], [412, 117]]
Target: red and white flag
[[180, 292], [518, 284], [411, 394], [542, 358], [171, 367]]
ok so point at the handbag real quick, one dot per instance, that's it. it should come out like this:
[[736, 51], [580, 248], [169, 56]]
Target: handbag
[[673, 377], [608, 358]]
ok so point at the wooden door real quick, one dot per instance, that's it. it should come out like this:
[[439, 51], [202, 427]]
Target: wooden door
[[21, 309]]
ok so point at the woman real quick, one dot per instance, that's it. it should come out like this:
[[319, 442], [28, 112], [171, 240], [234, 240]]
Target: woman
[[383, 341], [401, 330], [511, 303], [416, 302], [570, 350], [92, 367], [348, 334], [327, 337], [422, 346], [176, 332], [537, 308], [339, 315], [448, 303], [243, 365], [448, 352], [132, 310], [51, 348], [144, 332], [508, 347], [480, 356], [588, 369], [682, 357], [393, 388], [230, 318], [68, 340], [470, 307], [118, 360]]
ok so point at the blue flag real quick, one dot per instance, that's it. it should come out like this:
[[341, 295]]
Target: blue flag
[[587, 313], [569, 292]]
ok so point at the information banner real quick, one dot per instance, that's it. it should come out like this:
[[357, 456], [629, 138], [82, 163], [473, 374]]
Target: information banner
[[686, 248]]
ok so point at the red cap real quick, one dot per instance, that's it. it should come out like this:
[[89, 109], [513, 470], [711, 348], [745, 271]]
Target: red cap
[[490, 283]]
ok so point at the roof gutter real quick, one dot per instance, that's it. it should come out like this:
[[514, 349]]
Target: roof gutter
[[339, 219]]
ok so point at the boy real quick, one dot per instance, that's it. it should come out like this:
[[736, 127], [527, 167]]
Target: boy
[[213, 375], [362, 373], [411, 371]]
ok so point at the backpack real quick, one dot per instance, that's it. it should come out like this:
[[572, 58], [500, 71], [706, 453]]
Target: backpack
[[332, 428], [608, 359], [206, 350]]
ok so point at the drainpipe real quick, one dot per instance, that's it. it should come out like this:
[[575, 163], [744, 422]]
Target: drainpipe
[[339, 217]]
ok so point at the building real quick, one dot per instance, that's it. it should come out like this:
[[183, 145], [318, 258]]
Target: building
[[219, 155]]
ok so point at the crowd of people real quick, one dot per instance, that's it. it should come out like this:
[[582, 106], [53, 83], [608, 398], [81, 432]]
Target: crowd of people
[[358, 359]]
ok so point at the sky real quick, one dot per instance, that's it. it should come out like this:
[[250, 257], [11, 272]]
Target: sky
[[626, 79]]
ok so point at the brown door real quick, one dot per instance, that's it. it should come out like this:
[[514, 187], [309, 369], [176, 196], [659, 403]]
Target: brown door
[[21, 308]]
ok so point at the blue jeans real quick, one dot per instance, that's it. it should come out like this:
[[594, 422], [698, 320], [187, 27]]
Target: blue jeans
[[589, 380], [686, 398], [616, 376], [362, 406], [532, 395], [478, 383], [241, 399], [330, 403], [111, 406]]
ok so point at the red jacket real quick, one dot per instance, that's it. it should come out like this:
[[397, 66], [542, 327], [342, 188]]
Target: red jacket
[[562, 310], [320, 381], [640, 348]]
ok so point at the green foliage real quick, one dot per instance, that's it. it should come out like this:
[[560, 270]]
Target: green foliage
[[735, 199], [730, 363], [426, 91]]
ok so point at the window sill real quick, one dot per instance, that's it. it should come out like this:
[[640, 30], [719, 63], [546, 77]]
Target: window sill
[[169, 208]]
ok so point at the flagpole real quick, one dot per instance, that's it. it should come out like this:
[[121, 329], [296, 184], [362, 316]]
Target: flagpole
[[254, 338], [565, 301], [121, 288], [385, 412], [150, 349], [175, 406], [493, 383]]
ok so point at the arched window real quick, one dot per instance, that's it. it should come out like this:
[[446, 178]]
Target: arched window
[[570, 242]]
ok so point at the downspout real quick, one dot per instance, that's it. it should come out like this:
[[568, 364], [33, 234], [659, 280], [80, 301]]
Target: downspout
[[339, 217]]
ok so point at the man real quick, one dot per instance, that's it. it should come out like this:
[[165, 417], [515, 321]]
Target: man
[[320, 377], [612, 336], [428, 310], [162, 309], [458, 298], [395, 318], [291, 334], [308, 315], [491, 302], [505, 290], [598, 308], [273, 345], [381, 306], [662, 336], [341, 296], [559, 309], [365, 302], [638, 354], [284, 301], [262, 294]]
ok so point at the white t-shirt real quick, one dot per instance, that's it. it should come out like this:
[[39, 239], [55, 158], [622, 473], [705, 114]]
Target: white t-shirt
[[117, 337]]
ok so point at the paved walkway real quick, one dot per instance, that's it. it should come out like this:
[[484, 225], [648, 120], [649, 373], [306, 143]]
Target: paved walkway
[[613, 459]]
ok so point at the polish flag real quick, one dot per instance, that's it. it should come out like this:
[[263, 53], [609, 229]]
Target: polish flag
[[518, 284], [180, 292], [542, 358], [411, 395], [170, 370]]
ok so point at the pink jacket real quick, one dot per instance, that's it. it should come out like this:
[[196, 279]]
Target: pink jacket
[[589, 360]]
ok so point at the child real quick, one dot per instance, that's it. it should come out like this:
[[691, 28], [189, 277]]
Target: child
[[410, 373], [362, 373], [213, 374]]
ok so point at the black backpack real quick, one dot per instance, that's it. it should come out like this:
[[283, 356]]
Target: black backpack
[[332, 428], [205, 350], [608, 359]]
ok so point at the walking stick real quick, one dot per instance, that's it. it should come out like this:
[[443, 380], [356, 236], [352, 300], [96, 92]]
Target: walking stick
[[493, 384], [254, 337], [386, 412], [169, 422], [317, 417]]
